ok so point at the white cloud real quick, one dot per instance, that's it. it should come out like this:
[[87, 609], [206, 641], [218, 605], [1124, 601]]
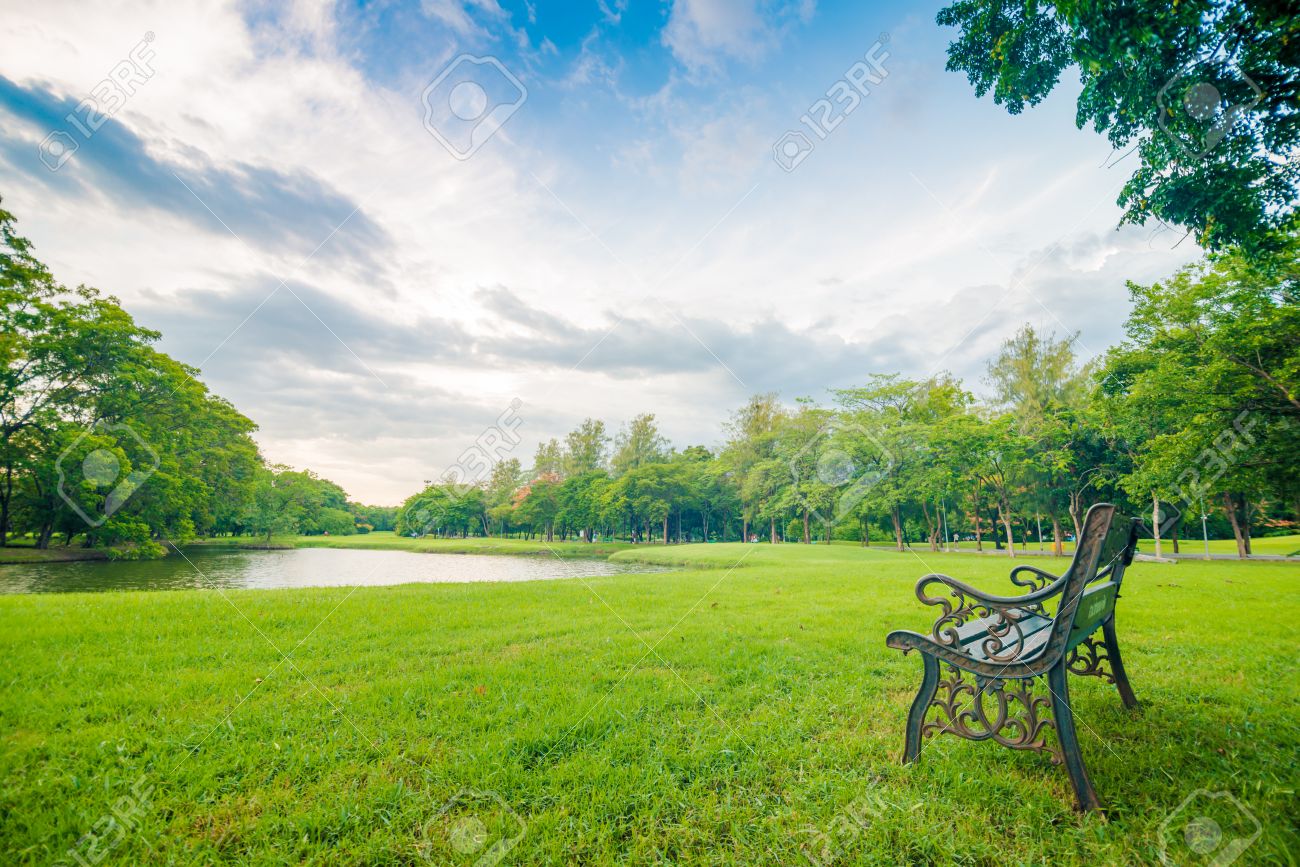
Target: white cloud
[[458, 15], [700, 33], [612, 12]]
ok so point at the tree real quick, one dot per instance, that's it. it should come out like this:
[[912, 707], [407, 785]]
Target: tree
[[539, 505], [963, 444], [280, 499], [805, 447], [586, 448], [930, 475], [443, 510], [715, 494], [549, 459], [507, 476], [753, 433], [639, 443], [1207, 89], [891, 422], [763, 491], [580, 502], [373, 518], [1036, 377], [1207, 385], [1039, 382], [62, 353], [1004, 457], [101, 434]]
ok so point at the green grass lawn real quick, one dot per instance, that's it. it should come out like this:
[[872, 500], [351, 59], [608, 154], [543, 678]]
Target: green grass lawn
[[715, 715], [1287, 546]]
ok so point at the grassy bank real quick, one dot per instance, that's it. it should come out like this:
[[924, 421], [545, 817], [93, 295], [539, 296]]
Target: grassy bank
[[717, 715], [12, 554]]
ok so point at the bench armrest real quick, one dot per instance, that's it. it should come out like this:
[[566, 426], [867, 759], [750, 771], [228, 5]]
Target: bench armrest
[[967, 594], [1003, 637]]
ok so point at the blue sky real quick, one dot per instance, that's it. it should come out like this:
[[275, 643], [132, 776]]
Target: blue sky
[[286, 193]]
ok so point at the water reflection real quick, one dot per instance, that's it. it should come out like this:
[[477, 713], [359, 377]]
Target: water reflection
[[301, 567]]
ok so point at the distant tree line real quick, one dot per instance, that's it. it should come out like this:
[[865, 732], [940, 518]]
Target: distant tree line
[[1196, 413], [106, 439]]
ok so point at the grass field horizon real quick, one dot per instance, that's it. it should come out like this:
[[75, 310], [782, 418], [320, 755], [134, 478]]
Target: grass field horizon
[[734, 711]]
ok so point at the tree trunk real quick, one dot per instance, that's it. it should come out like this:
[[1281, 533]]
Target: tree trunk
[[43, 540], [866, 534], [1057, 548], [1155, 521], [1240, 533], [1004, 512], [4, 505], [772, 527], [1076, 515], [744, 529], [898, 527], [1245, 522], [807, 537], [930, 531], [665, 529], [979, 530]]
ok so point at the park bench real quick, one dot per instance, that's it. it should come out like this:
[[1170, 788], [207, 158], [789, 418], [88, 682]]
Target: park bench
[[994, 648]]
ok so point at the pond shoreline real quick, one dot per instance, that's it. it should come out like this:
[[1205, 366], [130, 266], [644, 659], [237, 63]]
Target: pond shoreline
[[387, 541], [19, 555]]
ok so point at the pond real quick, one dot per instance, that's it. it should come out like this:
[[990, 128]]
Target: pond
[[300, 567]]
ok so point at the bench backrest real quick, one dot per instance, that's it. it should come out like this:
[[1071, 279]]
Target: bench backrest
[[1104, 549]]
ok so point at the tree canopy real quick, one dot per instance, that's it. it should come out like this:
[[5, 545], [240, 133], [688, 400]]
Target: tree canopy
[[1205, 91], [104, 437]]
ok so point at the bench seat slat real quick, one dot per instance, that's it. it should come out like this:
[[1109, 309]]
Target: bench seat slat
[[978, 628], [1034, 627]]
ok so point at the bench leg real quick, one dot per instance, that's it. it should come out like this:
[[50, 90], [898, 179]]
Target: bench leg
[[920, 705], [1065, 732], [1117, 665]]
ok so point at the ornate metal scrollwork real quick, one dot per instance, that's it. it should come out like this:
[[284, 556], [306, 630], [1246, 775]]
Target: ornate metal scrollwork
[[1089, 659], [1033, 578], [1020, 719], [1005, 638]]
